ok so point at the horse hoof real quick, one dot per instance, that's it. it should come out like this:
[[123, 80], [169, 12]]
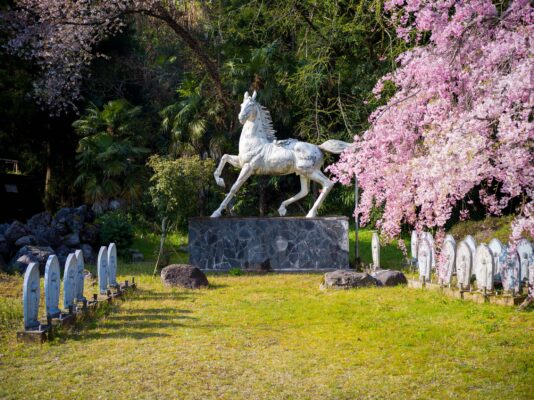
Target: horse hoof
[[282, 211], [220, 181], [311, 215], [216, 214]]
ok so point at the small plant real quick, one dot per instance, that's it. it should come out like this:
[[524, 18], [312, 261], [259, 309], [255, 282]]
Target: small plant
[[235, 272], [116, 227]]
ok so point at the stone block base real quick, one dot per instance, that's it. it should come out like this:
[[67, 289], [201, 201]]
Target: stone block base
[[278, 243]]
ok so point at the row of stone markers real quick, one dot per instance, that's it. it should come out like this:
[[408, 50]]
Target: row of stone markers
[[486, 269], [74, 302]]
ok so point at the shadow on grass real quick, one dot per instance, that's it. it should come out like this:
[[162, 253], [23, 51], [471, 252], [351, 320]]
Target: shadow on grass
[[142, 295], [121, 335]]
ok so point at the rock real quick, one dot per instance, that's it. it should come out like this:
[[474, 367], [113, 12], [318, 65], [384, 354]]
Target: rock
[[88, 253], [71, 240], [345, 279], [4, 246], [3, 228], [183, 275], [47, 236], [29, 254], [28, 240], [15, 231], [40, 220], [387, 277], [76, 219], [90, 234], [60, 220], [62, 253]]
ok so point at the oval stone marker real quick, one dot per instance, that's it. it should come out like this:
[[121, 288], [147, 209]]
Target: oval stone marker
[[450, 238], [69, 281], [470, 240], [484, 267], [31, 292], [112, 264], [495, 247], [80, 265], [428, 236], [464, 265], [447, 262], [413, 245], [51, 286], [525, 250], [375, 249], [102, 269], [510, 268], [424, 258]]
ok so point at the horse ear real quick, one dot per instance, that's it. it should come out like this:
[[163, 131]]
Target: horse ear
[[246, 95], [254, 95]]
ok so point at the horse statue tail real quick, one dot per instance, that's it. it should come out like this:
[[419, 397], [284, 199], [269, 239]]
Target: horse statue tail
[[334, 146]]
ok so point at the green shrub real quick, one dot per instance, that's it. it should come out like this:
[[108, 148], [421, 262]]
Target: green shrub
[[116, 227], [235, 272]]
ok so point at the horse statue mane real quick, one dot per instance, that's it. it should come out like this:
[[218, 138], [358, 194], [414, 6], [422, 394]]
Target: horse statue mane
[[267, 123]]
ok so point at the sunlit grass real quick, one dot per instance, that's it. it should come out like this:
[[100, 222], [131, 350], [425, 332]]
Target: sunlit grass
[[278, 337]]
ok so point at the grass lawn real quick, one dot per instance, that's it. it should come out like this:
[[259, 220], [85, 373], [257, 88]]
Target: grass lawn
[[274, 337]]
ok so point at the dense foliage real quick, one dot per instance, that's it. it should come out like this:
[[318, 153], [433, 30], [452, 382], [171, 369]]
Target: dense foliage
[[116, 227], [459, 127]]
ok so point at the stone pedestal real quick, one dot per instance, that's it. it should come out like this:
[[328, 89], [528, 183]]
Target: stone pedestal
[[278, 243]]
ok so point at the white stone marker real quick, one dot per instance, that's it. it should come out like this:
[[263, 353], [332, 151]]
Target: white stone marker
[[484, 267], [413, 245], [464, 265], [51, 286], [424, 259], [447, 262], [112, 264], [430, 239], [102, 269], [375, 250], [69, 281], [495, 247], [470, 240], [31, 295], [450, 238], [525, 250], [510, 267], [80, 265]]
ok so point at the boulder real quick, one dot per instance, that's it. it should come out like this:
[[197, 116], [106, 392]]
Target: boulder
[[29, 254], [387, 277], [76, 219], [61, 219], [40, 220], [28, 240], [3, 228], [90, 234], [346, 279], [89, 255], [47, 236], [183, 275], [71, 240], [62, 253], [15, 231]]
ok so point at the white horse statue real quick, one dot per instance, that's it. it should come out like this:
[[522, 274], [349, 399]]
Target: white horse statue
[[261, 154]]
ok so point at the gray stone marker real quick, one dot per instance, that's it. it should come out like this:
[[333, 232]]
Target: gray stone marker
[[80, 265], [278, 243], [69, 281], [470, 240], [51, 286], [450, 238], [424, 258], [31, 295], [447, 262], [112, 265], [525, 250], [495, 247], [375, 250], [102, 270], [430, 239], [464, 265], [484, 267], [510, 268], [413, 245]]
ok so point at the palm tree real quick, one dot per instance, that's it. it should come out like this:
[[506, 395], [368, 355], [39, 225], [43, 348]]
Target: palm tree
[[111, 154]]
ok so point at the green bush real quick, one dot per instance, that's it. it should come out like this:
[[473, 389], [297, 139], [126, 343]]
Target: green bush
[[235, 272], [116, 227]]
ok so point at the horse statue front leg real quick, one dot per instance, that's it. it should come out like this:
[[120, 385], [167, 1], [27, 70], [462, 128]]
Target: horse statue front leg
[[227, 158], [245, 173], [327, 185]]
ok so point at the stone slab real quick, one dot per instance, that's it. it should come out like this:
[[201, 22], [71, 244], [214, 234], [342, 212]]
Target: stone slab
[[280, 243]]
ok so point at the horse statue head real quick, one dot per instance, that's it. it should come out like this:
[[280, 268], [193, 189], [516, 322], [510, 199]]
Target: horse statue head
[[249, 108]]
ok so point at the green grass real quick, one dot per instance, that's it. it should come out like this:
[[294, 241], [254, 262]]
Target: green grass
[[277, 337]]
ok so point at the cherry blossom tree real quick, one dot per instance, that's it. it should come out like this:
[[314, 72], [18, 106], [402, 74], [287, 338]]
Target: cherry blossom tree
[[61, 36], [461, 119]]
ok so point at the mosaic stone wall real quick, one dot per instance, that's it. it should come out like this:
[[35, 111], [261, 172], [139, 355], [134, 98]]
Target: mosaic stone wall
[[278, 242]]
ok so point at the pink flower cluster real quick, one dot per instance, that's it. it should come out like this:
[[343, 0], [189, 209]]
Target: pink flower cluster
[[461, 119]]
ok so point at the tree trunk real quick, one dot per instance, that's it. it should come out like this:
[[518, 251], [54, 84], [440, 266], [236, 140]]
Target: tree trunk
[[161, 243]]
